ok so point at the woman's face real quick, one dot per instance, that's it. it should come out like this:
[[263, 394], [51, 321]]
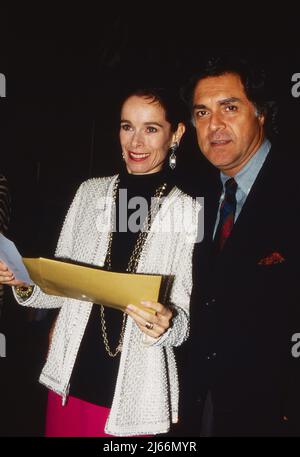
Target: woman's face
[[145, 135]]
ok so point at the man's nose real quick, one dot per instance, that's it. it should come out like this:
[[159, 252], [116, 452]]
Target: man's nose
[[216, 121]]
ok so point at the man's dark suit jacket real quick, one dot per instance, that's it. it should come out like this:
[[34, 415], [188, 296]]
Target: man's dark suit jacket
[[245, 308]]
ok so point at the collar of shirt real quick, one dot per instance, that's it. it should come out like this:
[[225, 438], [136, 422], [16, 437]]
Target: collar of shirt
[[245, 179], [247, 175]]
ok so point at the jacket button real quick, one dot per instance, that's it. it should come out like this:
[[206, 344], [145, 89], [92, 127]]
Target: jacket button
[[210, 302], [211, 356]]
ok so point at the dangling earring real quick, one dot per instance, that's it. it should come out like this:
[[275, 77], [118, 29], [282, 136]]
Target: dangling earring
[[172, 157]]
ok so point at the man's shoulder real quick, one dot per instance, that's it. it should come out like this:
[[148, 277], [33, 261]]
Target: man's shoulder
[[281, 169], [284, 157]]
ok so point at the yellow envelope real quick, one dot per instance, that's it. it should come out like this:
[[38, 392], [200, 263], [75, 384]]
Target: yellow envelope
[[92, 284]]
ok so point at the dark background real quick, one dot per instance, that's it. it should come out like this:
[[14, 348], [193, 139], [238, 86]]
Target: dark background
[[59, 126]]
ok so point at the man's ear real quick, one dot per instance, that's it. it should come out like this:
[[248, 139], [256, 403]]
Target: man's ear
[[261, 118]]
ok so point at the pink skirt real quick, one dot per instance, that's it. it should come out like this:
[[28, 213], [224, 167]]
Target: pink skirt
[[77, 418]]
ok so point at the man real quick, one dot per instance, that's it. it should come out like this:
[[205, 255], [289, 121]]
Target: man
[[242, 377]]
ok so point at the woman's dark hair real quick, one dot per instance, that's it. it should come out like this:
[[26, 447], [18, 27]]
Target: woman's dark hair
[[176, 111], [253, 78]]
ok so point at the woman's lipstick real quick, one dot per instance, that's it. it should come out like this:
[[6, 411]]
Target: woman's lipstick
[[137, 156]]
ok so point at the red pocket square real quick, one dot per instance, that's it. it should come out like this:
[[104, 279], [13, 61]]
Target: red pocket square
[[272, 259]]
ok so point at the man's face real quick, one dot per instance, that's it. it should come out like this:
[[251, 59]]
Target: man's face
[[229, 131]]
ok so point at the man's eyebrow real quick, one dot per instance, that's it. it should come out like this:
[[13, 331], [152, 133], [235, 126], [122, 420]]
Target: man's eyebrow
[[199, 107], [224, 101]]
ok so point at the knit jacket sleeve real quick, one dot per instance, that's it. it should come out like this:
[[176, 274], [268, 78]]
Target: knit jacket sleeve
[[38, 298], [180, 299], [180, 294]]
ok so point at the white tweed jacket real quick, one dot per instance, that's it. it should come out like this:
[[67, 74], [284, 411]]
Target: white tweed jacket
[[146, 392]]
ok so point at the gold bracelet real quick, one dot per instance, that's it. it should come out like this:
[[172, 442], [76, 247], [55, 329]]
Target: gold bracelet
[[24, 291]]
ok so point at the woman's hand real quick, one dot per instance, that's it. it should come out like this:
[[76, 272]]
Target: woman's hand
[[7, 277], [154, 325]]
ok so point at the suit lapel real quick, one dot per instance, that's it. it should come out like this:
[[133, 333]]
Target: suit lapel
[[253, 209], [251, 216]]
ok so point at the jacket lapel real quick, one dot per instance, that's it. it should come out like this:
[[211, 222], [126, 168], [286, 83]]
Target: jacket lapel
[[253, 211]]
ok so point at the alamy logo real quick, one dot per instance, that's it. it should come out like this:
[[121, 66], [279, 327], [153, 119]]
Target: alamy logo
[[185, 218], [2, 85], [296, 86], [2, 345], [296, 347]]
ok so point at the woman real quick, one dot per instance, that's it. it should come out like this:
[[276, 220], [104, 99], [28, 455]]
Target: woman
[[125, 363]]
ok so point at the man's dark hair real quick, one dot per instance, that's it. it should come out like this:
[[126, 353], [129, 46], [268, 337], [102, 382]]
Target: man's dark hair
[[253, 78]]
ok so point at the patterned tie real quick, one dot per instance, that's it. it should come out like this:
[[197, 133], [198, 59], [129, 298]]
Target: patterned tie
[[227, 213]]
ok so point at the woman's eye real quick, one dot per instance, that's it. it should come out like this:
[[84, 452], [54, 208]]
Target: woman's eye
[[125, 127], [151, 129]]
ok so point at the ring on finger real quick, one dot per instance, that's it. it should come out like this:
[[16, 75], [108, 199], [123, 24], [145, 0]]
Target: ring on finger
[[149, 325]]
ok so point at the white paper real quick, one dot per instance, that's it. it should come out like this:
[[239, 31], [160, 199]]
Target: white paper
[[11, 256]]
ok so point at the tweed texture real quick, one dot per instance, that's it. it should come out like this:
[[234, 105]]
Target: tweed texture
[[146, 393]]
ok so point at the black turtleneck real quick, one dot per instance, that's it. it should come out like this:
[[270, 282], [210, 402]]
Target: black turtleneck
[[95, 372]]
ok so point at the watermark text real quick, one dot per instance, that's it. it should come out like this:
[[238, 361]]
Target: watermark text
[[2, 85], [2, 345], [134, 215], [296, 86], [296, 347]]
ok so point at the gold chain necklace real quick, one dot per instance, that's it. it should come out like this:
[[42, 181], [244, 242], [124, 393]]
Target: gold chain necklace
[[133, 261]]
